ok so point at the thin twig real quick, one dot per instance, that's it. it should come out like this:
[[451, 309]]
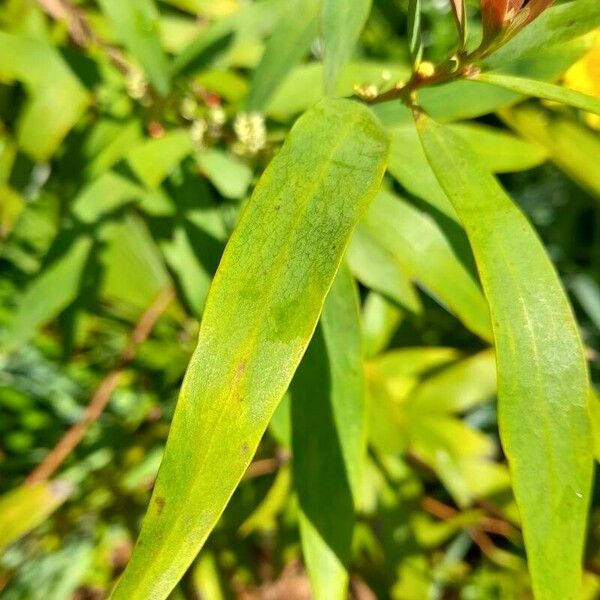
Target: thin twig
[[103, 392]]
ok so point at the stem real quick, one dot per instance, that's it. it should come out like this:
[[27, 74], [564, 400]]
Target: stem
[[103, 392]]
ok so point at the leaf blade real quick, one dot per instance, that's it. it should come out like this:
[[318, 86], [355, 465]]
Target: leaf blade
[[328, 420], [551, 469], [341, 24], [253, 334], [542, 89]]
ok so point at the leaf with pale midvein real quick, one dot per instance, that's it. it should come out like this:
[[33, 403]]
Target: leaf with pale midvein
[[260, 314], [542, 89], [542, 374], [341, 24], [329, 439]]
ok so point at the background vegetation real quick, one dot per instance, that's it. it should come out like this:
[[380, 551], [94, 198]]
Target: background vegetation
[[131, 135]]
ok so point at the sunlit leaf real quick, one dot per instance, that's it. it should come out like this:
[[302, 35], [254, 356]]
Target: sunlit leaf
[[57, 97], [27, 506], [542, 374], [261, 311], [541, 89]]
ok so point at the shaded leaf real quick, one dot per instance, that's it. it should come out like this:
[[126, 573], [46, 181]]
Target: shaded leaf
[[341, 24], [329, 439], [289, 43], [136, 22], [58, 285]]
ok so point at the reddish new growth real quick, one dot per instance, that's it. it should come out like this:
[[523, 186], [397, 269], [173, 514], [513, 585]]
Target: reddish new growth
[[504, 18]]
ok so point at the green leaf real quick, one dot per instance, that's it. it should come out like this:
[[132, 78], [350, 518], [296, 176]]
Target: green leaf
[[153, 160], [137, 24], [499, 150], [261, 311], [134, 273], [229, 175], [434, 257], [415, 39], [380, 320], [554, 27], [49, 293], [247, 25], [57, 101], [542, 374], [303, 88], [27, 506], [286, 47], [378, 269], [541, 89], [329, 440], [341, 24], [570, 145]]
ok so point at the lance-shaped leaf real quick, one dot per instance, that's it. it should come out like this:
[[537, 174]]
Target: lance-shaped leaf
[[433, 254], [27, 506], [541, 89], [286, 47], [542, 375], [260, 314], [341, 24], [329, 440], [415, 39]]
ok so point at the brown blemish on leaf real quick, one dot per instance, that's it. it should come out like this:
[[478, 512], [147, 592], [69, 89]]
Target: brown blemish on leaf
[[160, 504]]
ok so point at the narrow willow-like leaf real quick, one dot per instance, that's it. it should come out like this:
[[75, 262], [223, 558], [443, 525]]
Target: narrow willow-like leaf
[[136, 22], [260, 313], [415, 39], [49, 294], [542, 376], [329, 440], [28, 506], [541, 89], [432, 255], [290, 42], [341, 24]]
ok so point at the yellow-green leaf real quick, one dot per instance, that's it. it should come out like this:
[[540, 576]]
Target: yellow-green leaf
[[260, 314], [24, 508], [542, 373], [541, 89]]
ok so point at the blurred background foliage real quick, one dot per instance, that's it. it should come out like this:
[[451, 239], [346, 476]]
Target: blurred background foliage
[[131, 134]]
